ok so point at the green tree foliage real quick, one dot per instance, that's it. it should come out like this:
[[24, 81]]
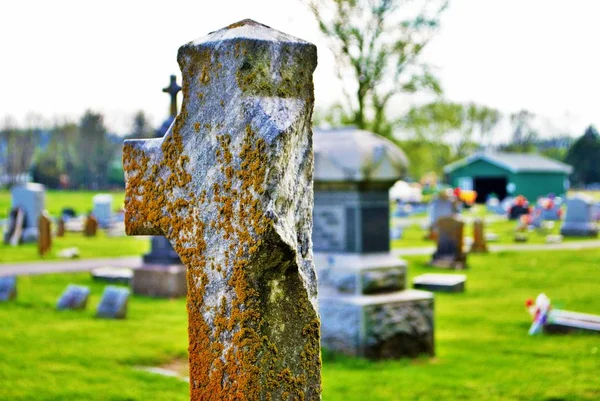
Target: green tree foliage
[[141, 127], [17, 148], [524, 136], [436, 125], [95, 151], [378, 45], [425, 157], [584, 156]]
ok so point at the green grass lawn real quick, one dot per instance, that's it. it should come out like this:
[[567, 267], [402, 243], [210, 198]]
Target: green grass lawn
[[483, 350], [81, 201], [100, 246]]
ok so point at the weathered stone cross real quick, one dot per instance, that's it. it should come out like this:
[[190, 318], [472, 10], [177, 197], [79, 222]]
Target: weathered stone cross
[[173, 89], [230, 185]]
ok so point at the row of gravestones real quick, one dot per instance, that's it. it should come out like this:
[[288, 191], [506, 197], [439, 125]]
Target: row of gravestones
[[113, 304], [27, 208]]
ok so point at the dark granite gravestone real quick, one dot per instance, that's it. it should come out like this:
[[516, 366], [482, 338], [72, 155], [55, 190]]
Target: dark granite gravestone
[[74, 297], [364, 306], [113, 304], [161, 253], [579, 221], [8, 288], [440, 282], [449, 253]]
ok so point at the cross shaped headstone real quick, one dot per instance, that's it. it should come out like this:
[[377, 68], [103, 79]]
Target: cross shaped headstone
[[173, 89], [230, 186]]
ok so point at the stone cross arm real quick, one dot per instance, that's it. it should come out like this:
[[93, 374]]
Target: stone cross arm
[[230, 186]]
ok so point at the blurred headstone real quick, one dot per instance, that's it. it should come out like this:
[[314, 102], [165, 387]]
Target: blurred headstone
[[440, 282], [60, 229], [479, 244], [112, 274], [16, 225], [103, 209], [449, 253], [579, 220], [443, 205], [74, 297], [8, 288], [113, 304], [90, 228], [30, 198], [45, 234]]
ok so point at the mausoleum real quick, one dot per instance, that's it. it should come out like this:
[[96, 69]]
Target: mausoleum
[[509, 174]]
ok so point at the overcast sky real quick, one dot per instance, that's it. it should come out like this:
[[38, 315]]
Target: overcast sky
[[114, 56]]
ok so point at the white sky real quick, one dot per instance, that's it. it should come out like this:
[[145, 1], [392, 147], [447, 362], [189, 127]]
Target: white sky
[[114, 56]]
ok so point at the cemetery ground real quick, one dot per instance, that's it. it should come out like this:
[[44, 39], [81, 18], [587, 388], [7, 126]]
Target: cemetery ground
[[100, 246], [56, 200], [483, 350]]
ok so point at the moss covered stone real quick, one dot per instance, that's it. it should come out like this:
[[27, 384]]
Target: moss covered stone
[[230, 185]]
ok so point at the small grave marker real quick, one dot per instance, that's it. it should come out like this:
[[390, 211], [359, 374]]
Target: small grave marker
[[74, 297], [91, 226], [113, 304], [8, 288], [440, 282], [449, 253], [119, 275], [479, 244], [45, 234]]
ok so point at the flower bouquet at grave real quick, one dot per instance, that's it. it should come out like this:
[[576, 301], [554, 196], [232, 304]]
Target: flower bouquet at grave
[[539, 311]]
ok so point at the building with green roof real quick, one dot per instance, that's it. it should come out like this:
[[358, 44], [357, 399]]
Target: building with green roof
[[509, 174]]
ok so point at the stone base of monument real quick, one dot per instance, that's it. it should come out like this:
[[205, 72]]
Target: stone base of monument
[[361, 273], [440, 282], [385, 326], [449, 262], [160, 281], [112, 275], [579, 230], [562, 322], [30, 234]]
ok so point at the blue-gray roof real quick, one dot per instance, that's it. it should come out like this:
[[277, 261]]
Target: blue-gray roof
[[514, 162]]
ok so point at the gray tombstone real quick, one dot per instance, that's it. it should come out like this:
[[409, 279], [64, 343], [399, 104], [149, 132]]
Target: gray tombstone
[[364, 306], [102, 209], [579, 218], [113, 304], [441, 207], [74, 297], [440, 282], [29, 197], [8, 288]]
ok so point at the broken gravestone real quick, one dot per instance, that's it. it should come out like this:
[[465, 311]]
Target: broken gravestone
[[230, 186]]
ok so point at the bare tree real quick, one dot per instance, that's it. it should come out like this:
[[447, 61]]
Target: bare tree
[[377, 45]]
